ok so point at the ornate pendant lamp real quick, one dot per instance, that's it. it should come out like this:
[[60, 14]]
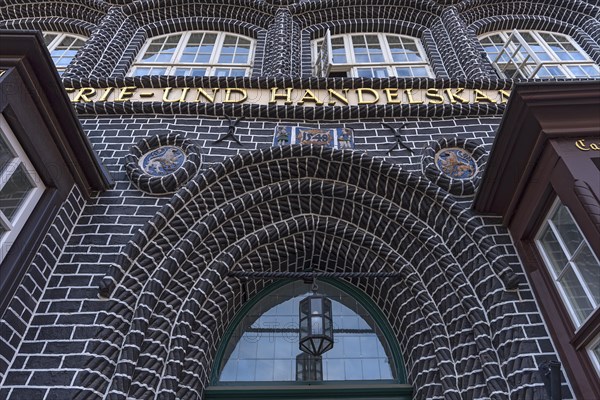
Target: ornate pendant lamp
[[308, 368], [316, 324]]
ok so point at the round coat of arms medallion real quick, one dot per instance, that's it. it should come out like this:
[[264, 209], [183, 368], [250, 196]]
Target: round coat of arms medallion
[[162, 161], [456, 163]]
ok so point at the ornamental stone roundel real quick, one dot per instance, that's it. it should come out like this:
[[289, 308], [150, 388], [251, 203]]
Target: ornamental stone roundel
[[455, 164], [162, 163]]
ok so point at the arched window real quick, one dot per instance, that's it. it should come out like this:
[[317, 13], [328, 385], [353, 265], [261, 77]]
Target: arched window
[[531, 54], [370, 55], [196, 53], [63, 47], [261, 348]]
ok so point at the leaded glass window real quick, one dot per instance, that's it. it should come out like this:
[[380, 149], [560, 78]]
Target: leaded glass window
[[196, 53]]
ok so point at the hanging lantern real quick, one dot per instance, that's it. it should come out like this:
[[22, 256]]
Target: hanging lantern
[[316, 324], [308, 368]]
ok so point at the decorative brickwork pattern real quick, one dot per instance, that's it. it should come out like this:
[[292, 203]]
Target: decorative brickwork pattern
[[110, 220], [469, 57], [282, 33], [26, 302], [251, 203], [92, 57], [464, 316]]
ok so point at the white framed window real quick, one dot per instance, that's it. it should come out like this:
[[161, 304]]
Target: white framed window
[[571, 262], [63, 47], [371, 55], [20, 188], [197, 53], [594, 351], [532, 54]]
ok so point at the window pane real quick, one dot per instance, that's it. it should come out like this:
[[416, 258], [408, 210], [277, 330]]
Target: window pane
[[338, 50], [66, 50], [550, 72], [553, 251], [367, 49], [49, 37], [588, 266], [229, 72], [140, 71], [595, 350], [576, 295], [267, 340], [199, 48], [372, 72], [161, 49], [14, 192], [567, 229], [5, 153], [225, 58], [584, 71], [411, 71]]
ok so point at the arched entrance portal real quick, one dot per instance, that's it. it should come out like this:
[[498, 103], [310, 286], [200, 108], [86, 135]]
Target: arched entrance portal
[[260, 352], [299, 208]]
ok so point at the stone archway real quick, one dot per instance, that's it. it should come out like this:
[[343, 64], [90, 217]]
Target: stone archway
[[292, 208]]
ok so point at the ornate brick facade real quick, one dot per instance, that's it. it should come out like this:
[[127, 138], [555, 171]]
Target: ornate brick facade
[[129, 295]]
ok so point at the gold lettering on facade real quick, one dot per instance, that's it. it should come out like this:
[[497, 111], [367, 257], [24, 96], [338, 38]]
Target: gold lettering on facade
[[454, 97], [83, 94], [504, 95], [287, 95], [228, 98], [392, 96], [107, 92], [361, 99], [343, 99], [181, 98], [311, 97], [581, 145], [434, 96], [480, 96], [409, 96], [204, 93], [291, 96], [126, 93]]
